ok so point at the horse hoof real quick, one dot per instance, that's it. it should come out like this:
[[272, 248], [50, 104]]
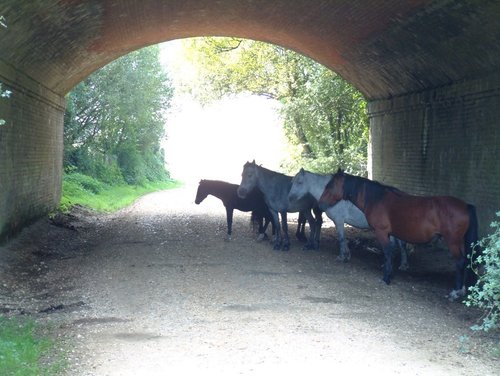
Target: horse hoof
[[387, 280], [277, 247], [227, 239], [262, 237], [286, 248], [341, 259], [455, 295], [301, 238]]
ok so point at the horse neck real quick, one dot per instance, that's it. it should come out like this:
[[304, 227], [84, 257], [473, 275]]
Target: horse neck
[[273, 183], [316, 188], [270, 175], [217, 189], [356, 191]]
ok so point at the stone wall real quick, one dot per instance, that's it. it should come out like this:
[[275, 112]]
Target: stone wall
[[31, 145], [444, 141]]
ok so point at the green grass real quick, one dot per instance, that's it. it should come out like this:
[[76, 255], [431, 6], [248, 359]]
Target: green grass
[[25, 350], [83, 190]]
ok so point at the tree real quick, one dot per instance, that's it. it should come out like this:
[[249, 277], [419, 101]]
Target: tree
[[115, 119], [324, 117]]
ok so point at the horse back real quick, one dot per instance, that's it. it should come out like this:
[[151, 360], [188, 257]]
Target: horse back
[[417, 219]]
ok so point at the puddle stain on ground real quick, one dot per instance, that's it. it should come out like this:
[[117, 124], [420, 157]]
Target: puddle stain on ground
[[137, 336], [317, 299]]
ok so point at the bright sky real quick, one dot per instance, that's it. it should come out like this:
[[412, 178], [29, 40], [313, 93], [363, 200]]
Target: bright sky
[[214, 141]]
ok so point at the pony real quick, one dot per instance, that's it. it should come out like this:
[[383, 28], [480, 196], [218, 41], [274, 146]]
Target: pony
[[226, 192], [275, 187], [415, 219], [344, 211]]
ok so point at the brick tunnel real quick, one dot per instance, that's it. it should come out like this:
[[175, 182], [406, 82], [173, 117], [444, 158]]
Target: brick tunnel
[[430, 71]]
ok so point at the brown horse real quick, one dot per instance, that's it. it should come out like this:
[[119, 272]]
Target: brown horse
[[414, 219]]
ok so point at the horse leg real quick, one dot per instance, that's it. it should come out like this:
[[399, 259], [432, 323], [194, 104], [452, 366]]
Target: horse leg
[[301, 227], [229, 217], [284, 225], [277, 236], [312, 226], [460, 266], [388, 248], [262, 232], [403, 265], [317, 226], [344, 252], [261, 224]]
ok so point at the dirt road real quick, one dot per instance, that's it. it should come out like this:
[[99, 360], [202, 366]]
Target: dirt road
[[154, 290]]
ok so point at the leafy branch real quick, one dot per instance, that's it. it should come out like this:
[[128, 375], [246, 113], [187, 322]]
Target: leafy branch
[[486, 293]]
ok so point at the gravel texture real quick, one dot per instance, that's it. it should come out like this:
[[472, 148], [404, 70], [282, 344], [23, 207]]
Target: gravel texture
[[155, 290]]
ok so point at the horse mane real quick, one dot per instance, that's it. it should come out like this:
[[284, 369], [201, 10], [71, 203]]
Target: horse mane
[[373, 190], [268, 171], [216, 183]]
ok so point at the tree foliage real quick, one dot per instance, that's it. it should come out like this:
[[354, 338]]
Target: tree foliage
[[324, 116], [115, 119]]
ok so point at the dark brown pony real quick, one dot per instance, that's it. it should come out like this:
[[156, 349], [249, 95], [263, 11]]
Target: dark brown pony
[[413, 219]]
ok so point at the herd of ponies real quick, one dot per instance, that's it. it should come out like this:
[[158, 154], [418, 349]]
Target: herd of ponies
[[395, 217]]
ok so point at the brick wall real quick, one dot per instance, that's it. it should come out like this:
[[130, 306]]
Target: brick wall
[[30, 151], [444, 141]]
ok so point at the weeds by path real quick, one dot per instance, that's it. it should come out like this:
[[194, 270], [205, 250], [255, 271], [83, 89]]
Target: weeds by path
[[25, 350]]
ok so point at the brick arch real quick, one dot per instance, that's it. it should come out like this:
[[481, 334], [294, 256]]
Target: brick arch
[[385, 48], [429, 68]]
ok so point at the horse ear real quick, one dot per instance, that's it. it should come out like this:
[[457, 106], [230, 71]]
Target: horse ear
[[301, 170], [253, 162], [340, 171]]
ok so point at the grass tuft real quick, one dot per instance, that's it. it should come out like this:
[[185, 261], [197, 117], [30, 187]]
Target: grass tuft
[[25, 351]]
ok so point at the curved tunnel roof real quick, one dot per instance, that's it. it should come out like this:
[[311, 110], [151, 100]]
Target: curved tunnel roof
[[385, 48]]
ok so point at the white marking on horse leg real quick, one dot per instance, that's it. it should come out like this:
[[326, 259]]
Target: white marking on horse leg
[[456, 294]]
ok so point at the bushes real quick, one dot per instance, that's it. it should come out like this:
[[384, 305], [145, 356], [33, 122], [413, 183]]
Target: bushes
[[85, 182], [486, 293]]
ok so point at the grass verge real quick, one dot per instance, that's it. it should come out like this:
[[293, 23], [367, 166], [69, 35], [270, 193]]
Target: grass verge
[[27, 350], [83, 190]]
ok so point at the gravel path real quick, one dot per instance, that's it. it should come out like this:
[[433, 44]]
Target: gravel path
[[154, 290]]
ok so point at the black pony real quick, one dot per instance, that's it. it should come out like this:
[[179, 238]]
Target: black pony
[[226, 192]]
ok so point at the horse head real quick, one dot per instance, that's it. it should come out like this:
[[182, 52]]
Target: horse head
[[297, 191], [249, 179], [201, 193], [334, 191]]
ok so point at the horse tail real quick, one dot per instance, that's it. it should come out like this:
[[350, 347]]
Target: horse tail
[[470, 239]]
